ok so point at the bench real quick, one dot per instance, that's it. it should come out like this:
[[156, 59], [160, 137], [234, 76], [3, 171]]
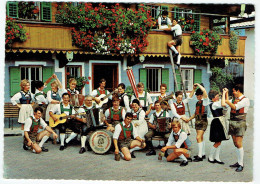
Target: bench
[[11, 111]]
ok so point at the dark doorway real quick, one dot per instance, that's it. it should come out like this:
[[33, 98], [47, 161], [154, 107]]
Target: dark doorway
[[107, 71]]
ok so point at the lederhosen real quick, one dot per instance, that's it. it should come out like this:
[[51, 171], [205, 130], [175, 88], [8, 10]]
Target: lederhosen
[[201, 122], [125, 136], [68, 124], [115, 117], [218, 129], [186, 144], [237, 123], [33, 131], [177, 38]]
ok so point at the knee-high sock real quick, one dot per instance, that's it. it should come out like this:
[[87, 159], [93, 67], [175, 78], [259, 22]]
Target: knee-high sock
[[135, 149], [174, 49], [62, 138], [72, 136], [212, 151], [83, 141], [203, 148], [22, 133], [44, 139], [200, 146], [179, 59], [238, 155], [183, 157], [241, 156], [217, 154]]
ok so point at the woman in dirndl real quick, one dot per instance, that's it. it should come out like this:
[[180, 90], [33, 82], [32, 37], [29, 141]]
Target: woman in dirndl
[[218, 127], [24, 100]]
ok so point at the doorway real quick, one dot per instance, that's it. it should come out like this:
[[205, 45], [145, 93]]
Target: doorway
[[108, 71]]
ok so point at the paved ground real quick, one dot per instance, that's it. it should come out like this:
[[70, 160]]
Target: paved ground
[[68, 164]]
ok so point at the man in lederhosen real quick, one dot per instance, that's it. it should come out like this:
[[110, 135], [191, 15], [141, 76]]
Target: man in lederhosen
[[180, 143], [114, 114], [64, 107], [237, 124], [122, 137], [124, 99], [154, 127], [201, 122], [31, 128], [86, 124]]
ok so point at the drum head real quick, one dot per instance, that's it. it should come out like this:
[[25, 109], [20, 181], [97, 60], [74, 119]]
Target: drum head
[[100, 141]]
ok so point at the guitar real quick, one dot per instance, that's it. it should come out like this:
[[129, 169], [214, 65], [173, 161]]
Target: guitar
[[62, 118], [168, 97], [104, 98]]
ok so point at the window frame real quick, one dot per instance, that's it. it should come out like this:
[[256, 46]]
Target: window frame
[[191, 80], [159, 77], [71, 66]]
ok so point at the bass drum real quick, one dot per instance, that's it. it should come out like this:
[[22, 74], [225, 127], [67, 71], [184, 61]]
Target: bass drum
[[100, 141]]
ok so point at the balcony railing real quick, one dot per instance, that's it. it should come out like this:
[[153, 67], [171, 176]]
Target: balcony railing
[[56, 37]]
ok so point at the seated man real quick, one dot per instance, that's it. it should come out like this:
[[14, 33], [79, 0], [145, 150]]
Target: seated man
[[138, 122], [180, 143], [64, 107], [155, 128], [122, 137], [86, 124], [31, 135], [114, 114]]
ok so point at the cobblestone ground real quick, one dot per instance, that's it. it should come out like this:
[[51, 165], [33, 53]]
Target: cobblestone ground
[[69, 164]]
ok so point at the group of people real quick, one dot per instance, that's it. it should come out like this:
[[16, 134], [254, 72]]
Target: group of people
[[133, 121]]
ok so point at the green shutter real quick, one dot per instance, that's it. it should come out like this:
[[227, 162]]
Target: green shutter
[[12, 9], [46, 11], [46, 73], [178, 79], [196, 18], [165, 77], [176, 14], [143, 77], [15, 79], [197, 76]]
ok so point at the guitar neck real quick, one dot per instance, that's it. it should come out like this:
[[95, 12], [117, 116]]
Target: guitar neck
[[105, 97], [167, 97]]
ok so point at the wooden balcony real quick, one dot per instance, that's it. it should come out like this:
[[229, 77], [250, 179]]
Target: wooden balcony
[[49, 37]]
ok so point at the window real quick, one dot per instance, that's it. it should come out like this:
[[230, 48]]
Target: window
[[187, 75], [155, 12], [29, 10], [30, 73], [72, 72], [187, 14], [153, 77]]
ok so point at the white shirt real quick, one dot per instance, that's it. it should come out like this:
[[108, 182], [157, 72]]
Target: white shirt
[[148, 99], [182, 137], [205, 101], [118, 130], [28, 123], [40, 99], [123, 112], [217, 105], [16, 98], [95, 93], [60, 92], [141, 114], [177, 29], [157, 115], [174, 110], [243, 103], [56, 109]]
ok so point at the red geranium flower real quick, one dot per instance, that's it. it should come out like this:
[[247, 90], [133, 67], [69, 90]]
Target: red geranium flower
[[89, 78], [68, 73]]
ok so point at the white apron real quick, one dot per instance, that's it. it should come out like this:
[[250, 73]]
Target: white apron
[[141, 126], [25, 112]]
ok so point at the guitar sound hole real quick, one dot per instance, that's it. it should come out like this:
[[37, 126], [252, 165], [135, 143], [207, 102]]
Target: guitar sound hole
[[102, 99]]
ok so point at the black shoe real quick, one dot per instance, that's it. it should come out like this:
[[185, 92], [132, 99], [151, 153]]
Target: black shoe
[[61, 148], [198, 159], [44, 149], [65, 145], [239, 169], [189, 159], [25, 147], [82, 150], [219, 162], [133, 155], [152, 152], [159, 147], [234, 165], [184, 163], [166, 154], [203, 156], [213, 162]]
